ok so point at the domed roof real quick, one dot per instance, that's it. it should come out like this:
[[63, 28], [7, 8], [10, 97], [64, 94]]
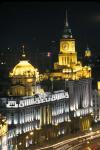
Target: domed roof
[[23, 68]]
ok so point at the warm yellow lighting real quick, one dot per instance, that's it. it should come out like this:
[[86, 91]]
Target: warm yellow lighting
[[91, 114], [29, 80], [68, 67], [88, 142], [56, 124], [27, 137], [67, 46], [3, 126], [90, 129], [23, 68], [91, 137], [51, 79], [87, 53], [23, 55], [97, 132], [31, 133], [98, 85], [20, 143], [24, 76]]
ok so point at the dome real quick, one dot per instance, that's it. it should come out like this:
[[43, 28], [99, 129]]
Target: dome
[[24, 68]]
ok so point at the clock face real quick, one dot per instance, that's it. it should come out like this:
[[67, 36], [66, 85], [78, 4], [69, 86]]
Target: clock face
[[65, 46]]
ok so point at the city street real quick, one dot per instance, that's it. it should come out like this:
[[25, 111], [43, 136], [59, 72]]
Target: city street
[[88, 141]]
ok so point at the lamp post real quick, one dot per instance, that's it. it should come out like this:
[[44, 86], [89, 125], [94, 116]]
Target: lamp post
[[31, 134], [90, 129], [27, 141]]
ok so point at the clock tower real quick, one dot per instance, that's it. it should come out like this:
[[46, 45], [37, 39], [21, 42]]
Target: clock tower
[[67, 55], [68, 66]]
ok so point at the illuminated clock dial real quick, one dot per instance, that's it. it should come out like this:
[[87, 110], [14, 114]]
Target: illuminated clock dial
[[65, 46]]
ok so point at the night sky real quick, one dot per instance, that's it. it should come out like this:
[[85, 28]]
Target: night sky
[[38, 24]]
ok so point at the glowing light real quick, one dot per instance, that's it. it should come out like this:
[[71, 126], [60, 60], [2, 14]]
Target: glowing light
[[49, 54], [27, 137], [31, 133], [2, 63], [98, 85], [87, 53], [23, 68], [90, 129], [69, 66], [29, 80], [88, 142], [20, 143]]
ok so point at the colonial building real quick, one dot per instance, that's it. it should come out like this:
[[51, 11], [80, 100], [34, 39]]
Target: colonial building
[[64, 106], [29, 107], [76, 77], [68, 66], [24, 77]]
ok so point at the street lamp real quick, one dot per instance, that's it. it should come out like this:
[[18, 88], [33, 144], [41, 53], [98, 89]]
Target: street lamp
[[27, 137], [20, 143], [27, 142], [88, 142], [31, 133], [19, 146], [90, 129], [31, 141]]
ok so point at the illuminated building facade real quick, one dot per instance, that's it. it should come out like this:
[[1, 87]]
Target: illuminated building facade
[[96, 102], [88, 52], [24, 77], [88, 59], [28, 107], [3, 133], [68, 67], [76, 77], [60, 111], [33, 112]]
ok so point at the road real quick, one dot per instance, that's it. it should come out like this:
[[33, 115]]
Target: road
[[92, 145], [76, 143]]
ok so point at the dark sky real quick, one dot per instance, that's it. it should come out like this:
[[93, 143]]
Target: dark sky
[[38, 23]]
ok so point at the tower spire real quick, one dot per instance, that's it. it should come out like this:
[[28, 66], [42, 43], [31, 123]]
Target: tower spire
[[67, 31], [66, 21], [23, 52]]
